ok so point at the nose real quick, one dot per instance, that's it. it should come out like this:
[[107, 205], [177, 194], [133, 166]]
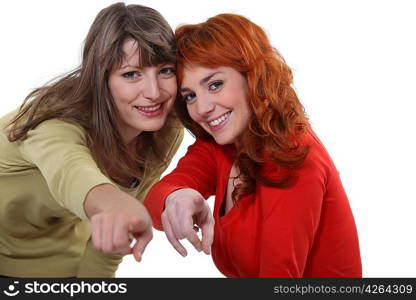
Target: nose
[[152, 88], [204, 106]]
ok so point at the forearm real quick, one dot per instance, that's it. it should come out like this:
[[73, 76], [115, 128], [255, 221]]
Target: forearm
[[106, 198], [155, 201]]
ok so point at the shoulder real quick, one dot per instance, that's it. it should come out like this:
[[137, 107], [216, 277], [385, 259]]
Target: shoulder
[[5, 119], [61, 129], [313, 173], [54, 134], [318, 160]]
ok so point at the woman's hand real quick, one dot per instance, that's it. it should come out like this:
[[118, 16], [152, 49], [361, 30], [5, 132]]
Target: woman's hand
[[116, 218], [184, 209]]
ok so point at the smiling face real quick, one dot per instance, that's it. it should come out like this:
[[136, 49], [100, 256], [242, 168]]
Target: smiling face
[[217, 100], [143, 96]]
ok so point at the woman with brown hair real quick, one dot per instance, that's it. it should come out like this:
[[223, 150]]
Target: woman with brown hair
[[80, 154], [280, 209]]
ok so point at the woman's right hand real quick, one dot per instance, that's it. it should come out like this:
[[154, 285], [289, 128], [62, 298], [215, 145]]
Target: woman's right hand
[[116, 218], [184, 209]]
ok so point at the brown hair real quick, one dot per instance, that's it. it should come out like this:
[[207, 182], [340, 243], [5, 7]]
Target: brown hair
[[83, 96], [278, 118]]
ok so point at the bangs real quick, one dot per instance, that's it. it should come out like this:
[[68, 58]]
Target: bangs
[[155, 39], [211, 46], [196, 46], [150, 54]]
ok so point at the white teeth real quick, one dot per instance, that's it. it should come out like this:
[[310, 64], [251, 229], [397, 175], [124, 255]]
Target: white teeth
[[219, 120], [146, 108]]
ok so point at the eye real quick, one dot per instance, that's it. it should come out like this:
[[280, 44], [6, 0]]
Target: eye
[[168, 71], [216, 85], [188, 98], [131, 75]]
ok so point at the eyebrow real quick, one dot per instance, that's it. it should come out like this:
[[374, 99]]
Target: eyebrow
[[128, 66], [138, 67], [203, 80]]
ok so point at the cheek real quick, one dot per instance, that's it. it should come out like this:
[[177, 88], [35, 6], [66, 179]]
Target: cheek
[[116, 92], [246, 112], [122, 93], [170, 86], [192, 113], [244, 108]]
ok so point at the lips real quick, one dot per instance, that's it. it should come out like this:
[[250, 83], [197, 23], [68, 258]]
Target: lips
[[151, 110], [218, 121]]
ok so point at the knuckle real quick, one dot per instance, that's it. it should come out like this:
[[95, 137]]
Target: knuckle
[[120, 243], [107, 249], [96, 245], [120, 219], [198, 198], [188, 233], [164, 215], [95, 220], [140, 222]]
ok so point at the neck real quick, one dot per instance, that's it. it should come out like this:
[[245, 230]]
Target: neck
[[128, 135]]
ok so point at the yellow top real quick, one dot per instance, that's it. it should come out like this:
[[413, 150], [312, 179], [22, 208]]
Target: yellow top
[[44, 180]]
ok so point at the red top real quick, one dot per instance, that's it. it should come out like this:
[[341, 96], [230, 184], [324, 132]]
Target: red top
[[307, 230]]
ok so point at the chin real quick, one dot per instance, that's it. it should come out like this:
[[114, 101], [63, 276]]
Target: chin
[[152, 127], [223, 140]]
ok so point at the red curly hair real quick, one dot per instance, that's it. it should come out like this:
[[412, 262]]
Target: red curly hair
[[278, 118]]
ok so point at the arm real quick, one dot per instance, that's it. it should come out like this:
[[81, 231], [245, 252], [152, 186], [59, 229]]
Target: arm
[[98, 264], [58, 149], [291, 219], [196, 170], [115, 214], [185, 190]]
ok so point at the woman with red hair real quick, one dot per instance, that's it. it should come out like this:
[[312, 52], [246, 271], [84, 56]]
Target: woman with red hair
[[280, 207]]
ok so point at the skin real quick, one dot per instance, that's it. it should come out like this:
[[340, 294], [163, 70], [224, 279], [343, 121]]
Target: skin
[[115, 218], [143, 98], [212, 93], [135, 90], [217, 100], [183, 209]]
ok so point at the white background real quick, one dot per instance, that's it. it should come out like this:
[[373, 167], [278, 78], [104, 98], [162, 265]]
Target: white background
[[354, 66]]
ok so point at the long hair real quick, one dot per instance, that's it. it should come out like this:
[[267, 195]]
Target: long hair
[[83, 96], [278, 118]]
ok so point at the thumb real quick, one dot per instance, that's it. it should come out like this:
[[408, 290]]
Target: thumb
[[142, 232], [142, 240]]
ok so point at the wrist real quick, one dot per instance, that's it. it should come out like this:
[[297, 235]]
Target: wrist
[[101, 198], [172, 195]]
